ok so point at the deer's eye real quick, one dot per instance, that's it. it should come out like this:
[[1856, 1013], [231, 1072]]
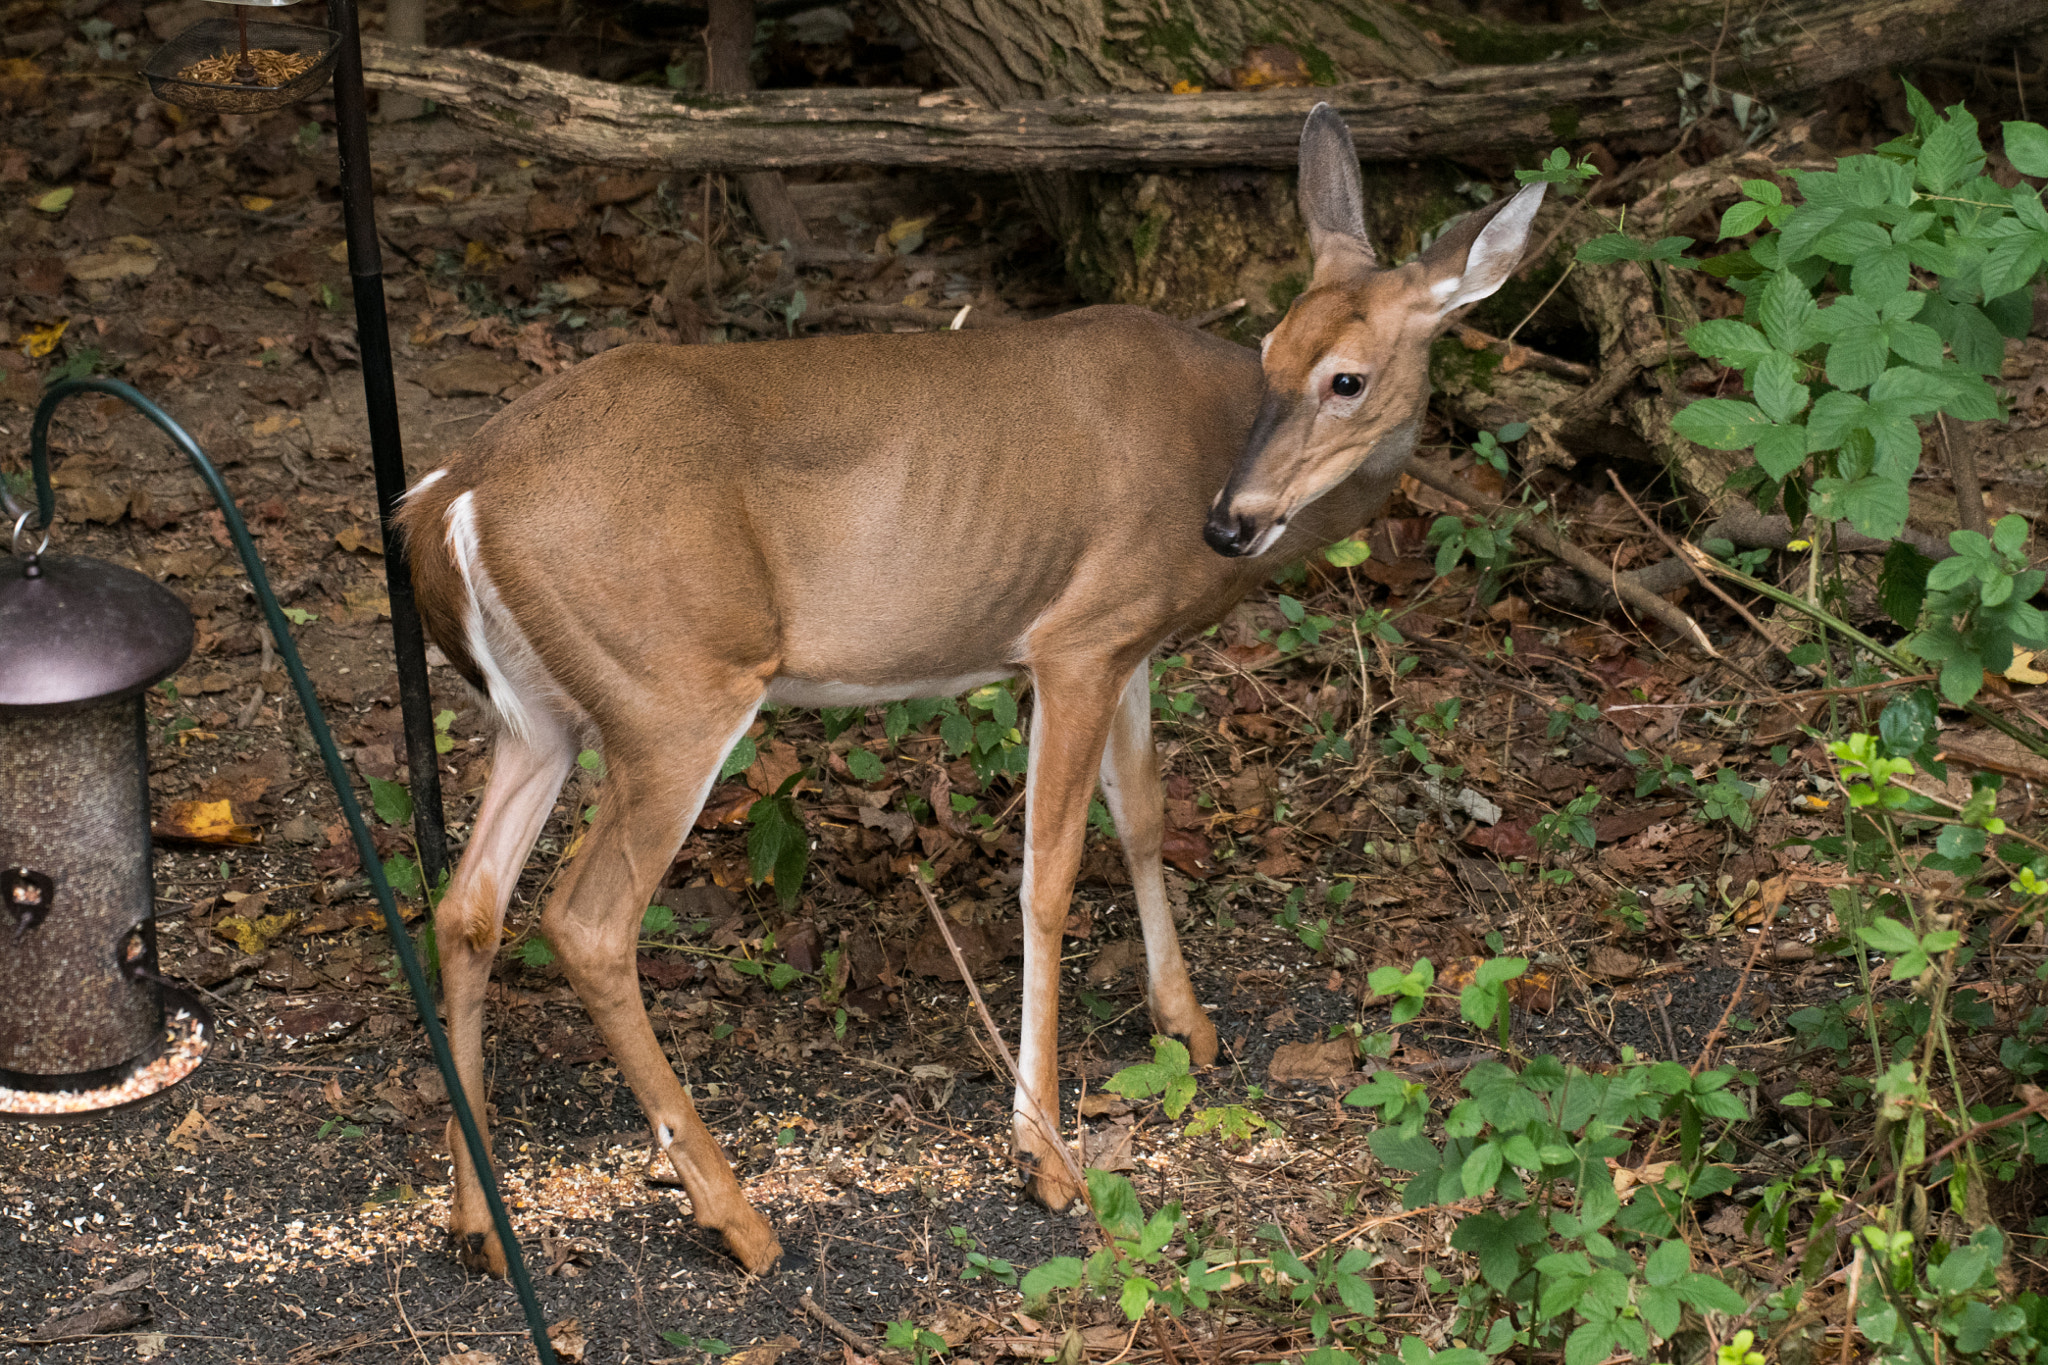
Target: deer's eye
[[1347, 385]]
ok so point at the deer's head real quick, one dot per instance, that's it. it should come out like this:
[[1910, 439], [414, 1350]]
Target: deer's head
[[1347, 370]]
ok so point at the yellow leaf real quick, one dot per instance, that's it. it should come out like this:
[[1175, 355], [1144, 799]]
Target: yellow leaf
[[1186, 88], [903, 227], [432, 191], [39, 342], [204, 822], [281, 289], [477, 256], [268, 425], [338, 253], [2022, 669], [56, 200], [256, 203]]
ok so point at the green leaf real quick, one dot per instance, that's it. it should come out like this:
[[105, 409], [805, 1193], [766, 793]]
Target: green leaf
[[1741, 218], [1962, 1269], [1786, 312], [2026, 146], [1669, 1261], [739, 760], [1951, 153], [1662, 1309], [778, 846], [1902, 585], [1710, 1295], [1115, 1203], [1481, 1169], [1962, 677], [1589, 1343], [402, 874], [863, 765], [56, 200], [391, 801], [1721, 423], [957, 732], [1062, 1272], [1778, 390], [1781, 449], [1888, 936], [1346, 554], [1730, 341], [1404, 1151]]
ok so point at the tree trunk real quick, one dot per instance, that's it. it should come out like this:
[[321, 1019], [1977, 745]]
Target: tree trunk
[[728, 59]]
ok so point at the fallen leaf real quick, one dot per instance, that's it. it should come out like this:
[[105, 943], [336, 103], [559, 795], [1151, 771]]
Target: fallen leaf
[[204, 822], [256, 203], [766, 1353], [40, 341], [354, 538], [111, 265], [255, 936], [1614, 964], [56, 201], [2022, 669], [1325, 1063]]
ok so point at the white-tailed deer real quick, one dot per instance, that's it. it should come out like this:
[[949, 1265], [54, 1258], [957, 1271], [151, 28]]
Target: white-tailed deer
[[644, 549]]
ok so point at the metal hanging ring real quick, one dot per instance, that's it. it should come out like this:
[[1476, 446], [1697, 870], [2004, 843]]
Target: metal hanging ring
[[20, 525]]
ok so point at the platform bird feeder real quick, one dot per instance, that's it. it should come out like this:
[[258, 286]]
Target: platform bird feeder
[[86, 1024], [233, 66]]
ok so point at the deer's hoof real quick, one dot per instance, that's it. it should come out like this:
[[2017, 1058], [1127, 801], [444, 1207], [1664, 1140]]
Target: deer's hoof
[[1048, 1182], [479, 1251], [754, 1246]]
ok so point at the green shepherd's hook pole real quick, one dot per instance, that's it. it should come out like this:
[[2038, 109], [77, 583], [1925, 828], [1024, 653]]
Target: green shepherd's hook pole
[[366, 849]]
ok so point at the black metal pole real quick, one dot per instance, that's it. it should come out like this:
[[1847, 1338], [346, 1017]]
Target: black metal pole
[[387, 453]]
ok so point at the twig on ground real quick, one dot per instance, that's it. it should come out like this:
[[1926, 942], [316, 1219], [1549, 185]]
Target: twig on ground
[[1763, 936], [1543, 538], [1047, 1126], [1519, 356], [1705, 582], [835, 1326]]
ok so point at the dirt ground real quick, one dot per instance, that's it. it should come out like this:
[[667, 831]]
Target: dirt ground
[[285, 1205]]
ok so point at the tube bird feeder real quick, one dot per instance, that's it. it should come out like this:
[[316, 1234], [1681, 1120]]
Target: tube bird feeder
[[86, 1024]]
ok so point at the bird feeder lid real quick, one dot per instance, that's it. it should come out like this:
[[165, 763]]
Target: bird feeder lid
[[77, 631]]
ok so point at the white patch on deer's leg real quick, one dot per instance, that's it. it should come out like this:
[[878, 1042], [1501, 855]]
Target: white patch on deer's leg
[[1028, 1058]]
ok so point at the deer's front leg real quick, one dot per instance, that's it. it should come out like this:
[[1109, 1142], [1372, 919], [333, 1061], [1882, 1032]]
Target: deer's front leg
[[1069, 722]]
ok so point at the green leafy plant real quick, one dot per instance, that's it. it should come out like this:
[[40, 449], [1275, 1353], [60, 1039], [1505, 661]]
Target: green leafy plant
[[1880, 298]]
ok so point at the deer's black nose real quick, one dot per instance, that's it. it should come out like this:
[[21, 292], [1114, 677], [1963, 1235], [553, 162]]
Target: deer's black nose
[[1228, 534]]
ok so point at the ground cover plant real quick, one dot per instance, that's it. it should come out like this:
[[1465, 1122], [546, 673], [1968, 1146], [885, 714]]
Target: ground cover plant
[[1584, 996]]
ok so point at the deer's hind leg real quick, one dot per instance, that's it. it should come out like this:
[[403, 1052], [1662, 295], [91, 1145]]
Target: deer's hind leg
[[661, 759], [1131, 789], [526, 775]]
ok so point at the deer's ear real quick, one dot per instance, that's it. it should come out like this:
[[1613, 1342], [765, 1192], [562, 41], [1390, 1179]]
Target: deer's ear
[[1332, 199], [1475, 258]]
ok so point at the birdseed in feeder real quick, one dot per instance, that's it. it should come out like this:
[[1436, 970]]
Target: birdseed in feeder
[[273, 68]]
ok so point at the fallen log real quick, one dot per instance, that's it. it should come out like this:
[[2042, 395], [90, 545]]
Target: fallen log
[[1473, 109]]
